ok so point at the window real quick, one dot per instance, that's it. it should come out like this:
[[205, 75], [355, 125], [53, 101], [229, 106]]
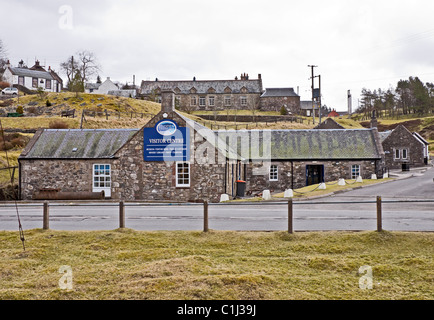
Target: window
[[404, 154], [21, 80], [227, 101], [355, 171], [244, 101], [182, 174], [48, 84], [193, 101], [397, 154], [211, 100], [101, 176], [273, 175], [202, 101], [34, 82]]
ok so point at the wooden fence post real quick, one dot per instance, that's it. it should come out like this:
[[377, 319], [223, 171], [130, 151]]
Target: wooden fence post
[[121, 214], [290, 216], [46, 218], [379, 215], [205, 216]]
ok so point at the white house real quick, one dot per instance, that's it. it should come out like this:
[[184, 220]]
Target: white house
[[33, 78], [101, 88]]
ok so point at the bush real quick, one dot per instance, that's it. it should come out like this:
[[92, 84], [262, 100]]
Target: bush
[[283, 111], [48, 103], [4, 84], [20, 109], [58, 124]]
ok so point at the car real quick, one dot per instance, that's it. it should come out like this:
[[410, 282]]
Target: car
[[12, 91]]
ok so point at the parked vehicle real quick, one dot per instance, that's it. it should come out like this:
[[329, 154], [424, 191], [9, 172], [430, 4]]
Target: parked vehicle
[[11, 91]]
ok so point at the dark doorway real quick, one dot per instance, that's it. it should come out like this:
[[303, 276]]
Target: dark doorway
[[314, 174]]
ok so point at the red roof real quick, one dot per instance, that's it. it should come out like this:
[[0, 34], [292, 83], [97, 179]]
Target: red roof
[[333, 114]]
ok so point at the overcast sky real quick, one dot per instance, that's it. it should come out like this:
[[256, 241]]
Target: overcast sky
[[353, 43]]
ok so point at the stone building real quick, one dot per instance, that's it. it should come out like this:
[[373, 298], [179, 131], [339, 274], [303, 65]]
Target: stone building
[[401, 147], [173, 158], [129, 164], [299, 158], [210, 95], [273, 99], [215, 95]]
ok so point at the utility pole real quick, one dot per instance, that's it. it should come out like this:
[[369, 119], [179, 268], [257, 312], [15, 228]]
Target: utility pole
[[319, 98], [313, 105]]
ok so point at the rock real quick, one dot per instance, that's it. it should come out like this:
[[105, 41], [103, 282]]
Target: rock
[[341, 182], [224, 197], [266, 195], [288, 193]]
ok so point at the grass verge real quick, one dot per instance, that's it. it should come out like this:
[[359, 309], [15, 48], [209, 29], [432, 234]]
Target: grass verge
[[127, 264]]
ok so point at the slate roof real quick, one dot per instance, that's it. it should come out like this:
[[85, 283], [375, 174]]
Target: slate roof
[[31, 73], [327, 144], [202, 86], [279, 92], [90, 143]]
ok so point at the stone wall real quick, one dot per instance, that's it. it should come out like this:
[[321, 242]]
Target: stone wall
[[65, 175]]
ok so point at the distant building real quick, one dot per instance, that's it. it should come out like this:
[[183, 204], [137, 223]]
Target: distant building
[[241, 93], [33, 78], [101, 88], [273, 99], [401, 147]]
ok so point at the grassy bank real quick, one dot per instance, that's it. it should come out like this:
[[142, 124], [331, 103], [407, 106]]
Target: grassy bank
[[127, 264]]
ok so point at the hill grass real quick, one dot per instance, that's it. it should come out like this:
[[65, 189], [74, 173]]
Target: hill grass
[[127, 264]]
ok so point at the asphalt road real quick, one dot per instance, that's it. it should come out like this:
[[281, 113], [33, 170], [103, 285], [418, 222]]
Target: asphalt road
[[316, 215]]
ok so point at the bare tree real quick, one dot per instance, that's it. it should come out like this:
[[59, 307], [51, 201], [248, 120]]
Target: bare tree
[[88, 65], [3, 59], [85, 65]]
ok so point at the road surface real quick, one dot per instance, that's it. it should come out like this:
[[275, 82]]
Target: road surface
[[319, 214]]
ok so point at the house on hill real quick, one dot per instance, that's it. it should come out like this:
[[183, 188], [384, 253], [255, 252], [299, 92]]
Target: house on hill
[[33, 78]]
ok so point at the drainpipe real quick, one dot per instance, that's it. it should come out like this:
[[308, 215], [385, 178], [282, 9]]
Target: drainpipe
[[292, 175]]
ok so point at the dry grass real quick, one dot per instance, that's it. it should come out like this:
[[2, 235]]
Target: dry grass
[[127, 264]]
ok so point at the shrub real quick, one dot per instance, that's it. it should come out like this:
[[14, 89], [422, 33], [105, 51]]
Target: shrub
[[4, 84], [20, 109], [283, 111], [48, 103], [58, 124]]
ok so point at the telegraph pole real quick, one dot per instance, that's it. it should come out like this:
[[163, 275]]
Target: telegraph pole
[[319, 98], [313, 106]]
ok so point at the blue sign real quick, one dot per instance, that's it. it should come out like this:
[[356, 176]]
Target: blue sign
[[166, 142]]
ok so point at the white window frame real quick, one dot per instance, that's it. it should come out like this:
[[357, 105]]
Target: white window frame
[[396, 154], [406, 154], [177, 174], [101, 181], [211, 101], [358, 171], [273, 173]]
